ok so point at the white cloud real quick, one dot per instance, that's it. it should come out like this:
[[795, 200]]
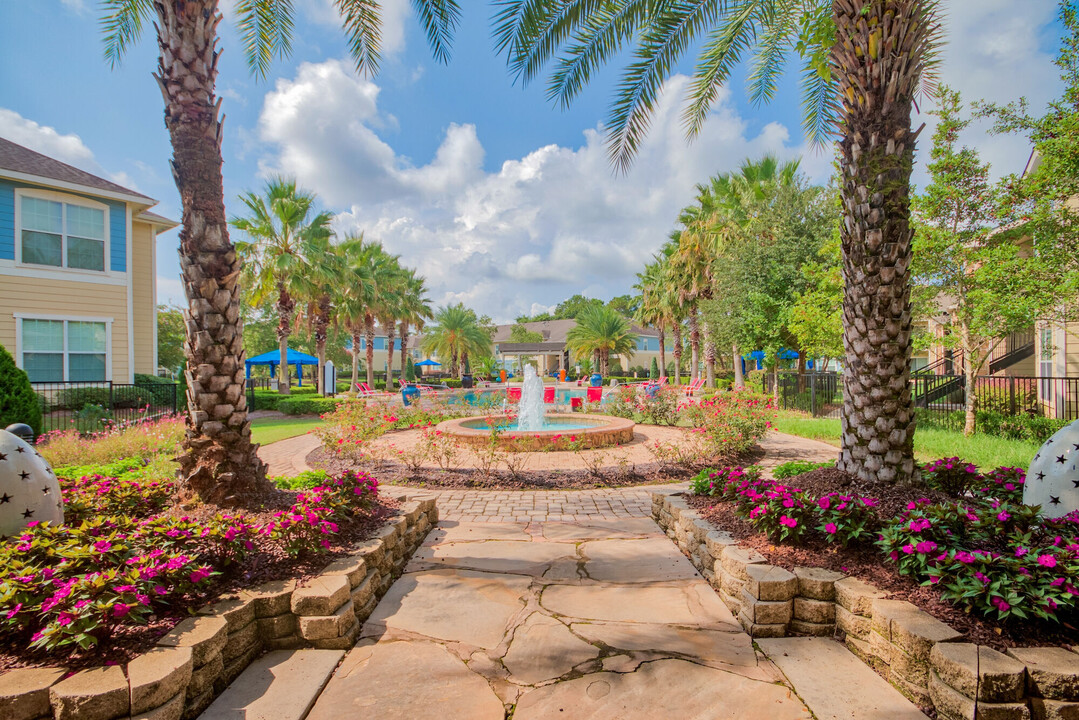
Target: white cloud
[[395, 14], [536, 230]]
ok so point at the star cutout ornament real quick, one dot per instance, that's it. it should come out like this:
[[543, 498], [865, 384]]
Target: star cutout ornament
[[28, 491], [1055, 474]]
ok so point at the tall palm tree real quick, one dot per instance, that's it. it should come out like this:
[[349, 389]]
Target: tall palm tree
[[415, 310], [283, 236], [218, 461], [653, 310], [863, 63], [601, 331], [456, 335], [326, 267], [358, 294]]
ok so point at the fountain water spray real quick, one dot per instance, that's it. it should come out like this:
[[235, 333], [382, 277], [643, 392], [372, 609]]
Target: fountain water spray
[[530, 416]]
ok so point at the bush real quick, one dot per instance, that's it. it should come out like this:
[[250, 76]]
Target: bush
[[144, 440], [951, 475], [76, 398], [306, 405], [730, 423], [653, 370], [161, 390], [724, 384], [18, 402], [797, 467]]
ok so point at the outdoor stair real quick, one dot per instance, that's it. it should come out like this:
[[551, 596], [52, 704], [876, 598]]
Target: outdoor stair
[[281, 685], [1021, 352]]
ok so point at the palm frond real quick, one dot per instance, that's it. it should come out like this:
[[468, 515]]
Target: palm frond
[[820, 104], [664, 41], [720, 55], [363, 27], [122, 22], [439, 19], [265, 28], [530, 31], [778, 22]]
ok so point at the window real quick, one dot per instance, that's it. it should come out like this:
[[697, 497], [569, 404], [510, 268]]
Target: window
[[59, 350], [1045, 363], [62, 234]]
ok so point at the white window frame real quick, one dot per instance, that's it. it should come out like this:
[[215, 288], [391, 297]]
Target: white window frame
[[19, 317], [65, 200]]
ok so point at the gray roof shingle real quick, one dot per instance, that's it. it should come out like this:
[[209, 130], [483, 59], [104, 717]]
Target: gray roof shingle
[[16, 158]]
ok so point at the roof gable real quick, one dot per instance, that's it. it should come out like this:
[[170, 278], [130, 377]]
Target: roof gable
[[15, 158]]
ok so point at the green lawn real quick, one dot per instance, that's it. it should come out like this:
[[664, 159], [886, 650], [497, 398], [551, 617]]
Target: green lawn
[[985, 451], [268, 430]]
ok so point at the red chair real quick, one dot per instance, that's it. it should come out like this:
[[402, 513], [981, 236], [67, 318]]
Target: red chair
[[548, 394], [595, 394], [576, 403], [514, 394]]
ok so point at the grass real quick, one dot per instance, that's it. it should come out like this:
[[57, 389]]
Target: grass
[[985, 451], [268, 430]]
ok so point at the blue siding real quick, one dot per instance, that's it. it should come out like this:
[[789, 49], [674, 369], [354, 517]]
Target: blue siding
[[648, 344], [7, 221], [380, 343], [117, 236], [117, 224]]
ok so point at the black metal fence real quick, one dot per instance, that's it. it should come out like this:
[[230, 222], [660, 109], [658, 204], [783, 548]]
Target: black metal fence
[[94, 406], [940, 398]]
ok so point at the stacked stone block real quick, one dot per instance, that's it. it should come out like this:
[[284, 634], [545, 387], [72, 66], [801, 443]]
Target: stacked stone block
[[730, 571], [24, 693], [767, 600], [243, 643], [1052, 681], [854, 614], [278, 628], [968, 681], [900, 640], [325, 613], [814, 603], [206, 637]]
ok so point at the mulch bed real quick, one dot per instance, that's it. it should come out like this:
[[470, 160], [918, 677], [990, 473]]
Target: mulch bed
[[471, 479], [867, 563], [129, 641]]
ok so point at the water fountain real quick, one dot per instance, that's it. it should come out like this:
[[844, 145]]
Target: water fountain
[[531, 412]]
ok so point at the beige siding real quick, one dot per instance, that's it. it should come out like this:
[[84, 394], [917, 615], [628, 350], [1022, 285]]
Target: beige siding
[[68, 299], [143, 297]]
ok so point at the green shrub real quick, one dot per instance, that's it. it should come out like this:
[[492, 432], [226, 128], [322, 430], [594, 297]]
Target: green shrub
[[304, 481], [306, 405], [724, 384], [76, 398], [798, 467], [18, 402], [653, 370], [161, 389]]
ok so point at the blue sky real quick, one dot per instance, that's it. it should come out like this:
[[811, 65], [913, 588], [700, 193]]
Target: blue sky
[[500, 199]]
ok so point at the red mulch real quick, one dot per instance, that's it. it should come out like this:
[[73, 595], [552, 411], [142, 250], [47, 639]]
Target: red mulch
[[471, 479], [129, 641], [867, 563]]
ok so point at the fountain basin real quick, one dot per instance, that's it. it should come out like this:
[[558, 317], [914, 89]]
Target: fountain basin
[[592, 431]]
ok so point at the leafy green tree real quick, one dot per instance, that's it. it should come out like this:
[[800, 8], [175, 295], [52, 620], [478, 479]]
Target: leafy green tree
[[413, 311], [626, 305], [18, 403], [601, 332], [863, 62], [572, 307], [975, 280], [285, 236], [457, 333], [816, 318], [520, 334], [170, 337], [218, 461], [653, 371], [410, 370]]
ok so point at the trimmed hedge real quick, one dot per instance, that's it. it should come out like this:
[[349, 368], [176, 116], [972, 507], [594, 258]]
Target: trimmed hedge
[[316, 405], [18, 401]]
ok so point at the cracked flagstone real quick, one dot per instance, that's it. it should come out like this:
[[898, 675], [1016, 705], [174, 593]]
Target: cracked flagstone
[[598, 619]]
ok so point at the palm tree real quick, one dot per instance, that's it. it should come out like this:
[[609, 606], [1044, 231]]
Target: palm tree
[[456, 335], [601, 332], [415, 309], [358, 294], [653, 310], [863, 62], [276, 259], [218, 461], [326, 267]]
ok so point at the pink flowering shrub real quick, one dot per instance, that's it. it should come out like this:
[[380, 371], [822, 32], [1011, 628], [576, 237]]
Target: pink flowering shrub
[[845, 519], [1004, 483], [951, 475], [729, 423], [119, 562], [780, 512]]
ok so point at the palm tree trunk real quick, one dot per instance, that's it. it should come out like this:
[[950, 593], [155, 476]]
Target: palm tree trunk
[[218, 460], [709, 360], [285, 307], [391, 335], [877, 57], [662, 352], [694, 346], [404, 349], [678, 354], [355, 329], [739, 378], [369, 337], [322, 324]]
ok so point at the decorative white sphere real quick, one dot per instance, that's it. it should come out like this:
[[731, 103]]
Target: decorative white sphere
[[29, 489], [1053, 478]]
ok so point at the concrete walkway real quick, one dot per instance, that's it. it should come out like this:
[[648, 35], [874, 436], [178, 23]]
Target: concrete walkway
[[596, 619]]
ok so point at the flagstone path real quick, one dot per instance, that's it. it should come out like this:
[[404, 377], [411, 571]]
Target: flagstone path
[[602, 618]]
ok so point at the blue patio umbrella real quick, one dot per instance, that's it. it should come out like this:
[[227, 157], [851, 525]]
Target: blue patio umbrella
[[273, 359], [428, 363]]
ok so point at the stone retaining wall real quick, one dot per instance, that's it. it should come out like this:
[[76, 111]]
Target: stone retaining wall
[[198, 659], [922, 657]]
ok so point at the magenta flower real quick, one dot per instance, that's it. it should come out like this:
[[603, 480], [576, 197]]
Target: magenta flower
[[1048, 561], [831, 528], [1020, 551], [908, 549], [788, 521], [926, 546], [1001, 604], [119, 610]]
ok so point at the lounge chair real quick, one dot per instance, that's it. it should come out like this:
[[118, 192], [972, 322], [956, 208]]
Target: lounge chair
[[694, 386], [548, 395], [594, 394]]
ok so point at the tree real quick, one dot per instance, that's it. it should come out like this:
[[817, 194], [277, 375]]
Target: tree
[[414, 311], [571, 307], [357, 297], [18, 403], [863, 63], [520, 334], [601, 332], [218, 460], [816, 318], [972, 276], [278, 258], [625, 305], [457, 333], [170, 337], [653, 370]]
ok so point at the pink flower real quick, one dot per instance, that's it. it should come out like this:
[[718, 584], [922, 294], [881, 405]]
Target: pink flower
[[831, 528], [1003, 516], [1048, 561], [926, 546], [102, 546], [1001, 604], [1020, 551], [199, 575], [908, 549], [788, 521], [119, 610], [14, 611]]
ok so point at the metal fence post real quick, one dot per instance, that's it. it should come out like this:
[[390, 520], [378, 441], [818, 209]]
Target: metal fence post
[[813, 394]]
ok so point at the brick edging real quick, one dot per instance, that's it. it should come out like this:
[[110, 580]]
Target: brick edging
[[924, 658], [197, 660]]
